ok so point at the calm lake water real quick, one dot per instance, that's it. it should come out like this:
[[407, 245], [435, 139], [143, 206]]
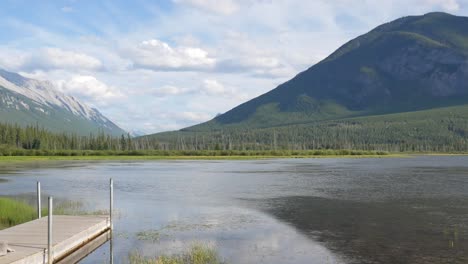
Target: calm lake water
[[391, 210]]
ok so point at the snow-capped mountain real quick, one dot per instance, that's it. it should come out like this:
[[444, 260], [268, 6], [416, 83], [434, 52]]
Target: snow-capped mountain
[[137, 133], [27, 101]]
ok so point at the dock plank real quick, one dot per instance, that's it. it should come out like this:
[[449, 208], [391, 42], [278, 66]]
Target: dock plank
[[29, 240]]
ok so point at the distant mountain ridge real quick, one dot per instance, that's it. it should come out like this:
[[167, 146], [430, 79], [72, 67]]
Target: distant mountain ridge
[[27, 101], [413, 63]]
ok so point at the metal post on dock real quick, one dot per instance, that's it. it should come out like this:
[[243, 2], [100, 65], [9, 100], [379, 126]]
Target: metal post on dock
[[38, 199], [111, 205], [50, 257], [111, 208]]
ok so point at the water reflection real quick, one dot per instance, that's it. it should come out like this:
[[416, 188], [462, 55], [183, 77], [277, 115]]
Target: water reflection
[[396, 231], [271, 211], [111, 248], [239, 236]]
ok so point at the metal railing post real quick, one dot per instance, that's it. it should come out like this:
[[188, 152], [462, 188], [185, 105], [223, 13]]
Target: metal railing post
[[50, 257], [111, 205], [39, 200], [111, 209]]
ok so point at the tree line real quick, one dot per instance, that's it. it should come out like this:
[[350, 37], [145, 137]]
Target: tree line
[[384, 136]]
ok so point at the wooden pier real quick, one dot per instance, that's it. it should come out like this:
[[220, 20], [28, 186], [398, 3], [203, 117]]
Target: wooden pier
[[56, 238], [74, 237]]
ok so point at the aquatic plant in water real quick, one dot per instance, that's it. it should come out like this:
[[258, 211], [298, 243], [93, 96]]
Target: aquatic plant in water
[[197, 254]]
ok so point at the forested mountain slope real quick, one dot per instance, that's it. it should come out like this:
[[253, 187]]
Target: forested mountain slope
[[412, 63]]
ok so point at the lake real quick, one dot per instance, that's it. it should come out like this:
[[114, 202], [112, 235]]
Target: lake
[[332, 210]]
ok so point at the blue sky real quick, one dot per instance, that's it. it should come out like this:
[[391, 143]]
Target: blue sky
[[162, 65]]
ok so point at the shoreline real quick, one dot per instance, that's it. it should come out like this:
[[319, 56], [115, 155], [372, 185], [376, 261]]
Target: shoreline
[[6, 159]]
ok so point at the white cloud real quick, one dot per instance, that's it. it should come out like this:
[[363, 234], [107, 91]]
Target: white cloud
[[448, 5], [46, 59], [12, 59], [54, 58], [89, 88], [224, 7], [208, 87], [38, 75], [235, 55], [213, 87], [241, 53], [190, 117], [246, 63], [168, 90], [160, 56]]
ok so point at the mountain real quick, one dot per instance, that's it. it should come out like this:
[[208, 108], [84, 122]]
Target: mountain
[[402, 86], [137, 133], [412, 63], [27, 101]]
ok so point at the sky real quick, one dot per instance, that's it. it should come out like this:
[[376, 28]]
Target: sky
[[154, 66]]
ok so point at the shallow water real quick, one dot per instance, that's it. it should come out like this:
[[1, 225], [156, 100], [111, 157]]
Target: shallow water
[[392, 210]]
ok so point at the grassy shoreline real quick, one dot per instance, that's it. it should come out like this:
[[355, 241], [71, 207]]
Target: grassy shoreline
[[14, 212], [4, 159], [220, 155]]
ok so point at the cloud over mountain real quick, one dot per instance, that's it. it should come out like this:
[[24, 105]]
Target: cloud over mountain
[[160, 56]]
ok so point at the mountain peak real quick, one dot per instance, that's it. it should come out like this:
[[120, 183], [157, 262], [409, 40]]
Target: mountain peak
[[411, 63], [40, 100], [12, 77], [438, 13]]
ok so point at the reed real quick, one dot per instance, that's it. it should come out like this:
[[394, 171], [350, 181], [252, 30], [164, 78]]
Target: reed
[[14, 212], [197, 254]]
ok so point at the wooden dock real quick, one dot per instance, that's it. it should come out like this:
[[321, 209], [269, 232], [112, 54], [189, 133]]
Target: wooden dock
[[73, 237]]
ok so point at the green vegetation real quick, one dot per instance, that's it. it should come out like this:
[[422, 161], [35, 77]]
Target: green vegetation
[[16, 140], [19, 143], [442, 130], [13, 212], [69, 207], [198, 254], [149, 235], [391, 89], [166, 154], [10, 159]]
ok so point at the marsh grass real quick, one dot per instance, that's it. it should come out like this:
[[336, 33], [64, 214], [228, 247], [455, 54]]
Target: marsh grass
[[14, 212], [21, 209], [189, 155], [154, 235], [197, 254], [150, 235], [70, 207]]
